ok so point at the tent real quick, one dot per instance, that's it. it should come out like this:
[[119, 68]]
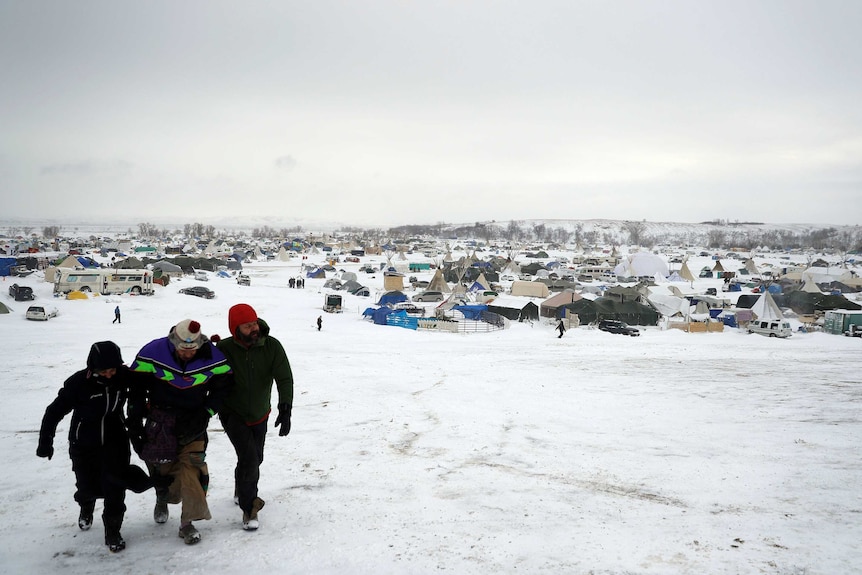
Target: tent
[[765, 308], [3, 308], [391, 298], [605, 308], [528, 311], [317, 273], [530, 289], [438, 283], [549, 307], [641, 264]]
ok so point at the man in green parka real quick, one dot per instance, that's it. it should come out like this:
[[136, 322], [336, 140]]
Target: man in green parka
[[257, 360]]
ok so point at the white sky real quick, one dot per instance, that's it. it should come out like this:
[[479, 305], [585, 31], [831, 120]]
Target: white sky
[[386, 112]]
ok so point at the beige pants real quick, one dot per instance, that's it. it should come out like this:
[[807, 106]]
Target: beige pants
[[191, 478]]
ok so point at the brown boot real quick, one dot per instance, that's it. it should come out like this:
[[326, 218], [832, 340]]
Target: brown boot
[[249, 520]]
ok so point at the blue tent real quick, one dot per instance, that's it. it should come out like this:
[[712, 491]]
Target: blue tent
[[472, 311], [316, 273], [392, 297]]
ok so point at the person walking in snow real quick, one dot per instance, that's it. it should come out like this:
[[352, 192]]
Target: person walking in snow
[[117, 315], [257, 359], [561, 328], [319, 322], [98, 440], [184, 381]]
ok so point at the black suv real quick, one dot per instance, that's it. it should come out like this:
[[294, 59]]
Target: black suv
[[614, 326], [21, 293]]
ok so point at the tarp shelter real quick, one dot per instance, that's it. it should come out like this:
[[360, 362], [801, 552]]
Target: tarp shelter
[[168, 268], [471, 311], [530, 289], [669, 305], [316, 273], [3, 308], [391, 298], [6, 265], [131, 263], [528, 311], [804, 303]]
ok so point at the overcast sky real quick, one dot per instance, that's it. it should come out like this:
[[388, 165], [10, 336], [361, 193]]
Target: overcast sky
[[392, 112]]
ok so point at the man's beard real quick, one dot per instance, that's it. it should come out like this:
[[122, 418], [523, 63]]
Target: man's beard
[[249, 339]]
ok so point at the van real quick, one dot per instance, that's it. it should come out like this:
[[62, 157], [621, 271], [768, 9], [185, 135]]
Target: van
[[201, 275], [771, 328]]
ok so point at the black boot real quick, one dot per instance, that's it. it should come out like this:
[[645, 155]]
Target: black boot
[[85, 518], [113, 539]]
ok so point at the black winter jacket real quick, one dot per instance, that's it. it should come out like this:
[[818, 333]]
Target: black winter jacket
[[96, 404]]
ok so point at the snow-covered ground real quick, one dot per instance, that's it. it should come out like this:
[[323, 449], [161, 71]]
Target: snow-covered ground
[[505, 452]]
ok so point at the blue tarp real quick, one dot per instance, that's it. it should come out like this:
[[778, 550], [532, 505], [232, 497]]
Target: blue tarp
[[6, 264], [472, 311], [316, 273]]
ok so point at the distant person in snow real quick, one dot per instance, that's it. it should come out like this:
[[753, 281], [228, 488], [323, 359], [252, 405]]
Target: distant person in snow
[[319, 322], [183, 382], [561, 328], [98, 440], [117, 315], [257, 360]]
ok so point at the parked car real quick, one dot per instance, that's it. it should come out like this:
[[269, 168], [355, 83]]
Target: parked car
[[199, 291], [614, 326], [243, 280], [21, 293], [428, 296], [40, 313]]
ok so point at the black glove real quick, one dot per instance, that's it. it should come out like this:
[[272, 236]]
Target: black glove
[[283, 419], [46, 449], [137, 435]]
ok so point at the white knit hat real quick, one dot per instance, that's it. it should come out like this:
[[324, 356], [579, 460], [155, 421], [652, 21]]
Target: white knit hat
[[187, 335]]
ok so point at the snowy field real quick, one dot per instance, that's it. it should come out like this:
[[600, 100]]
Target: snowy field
[[506, 452]]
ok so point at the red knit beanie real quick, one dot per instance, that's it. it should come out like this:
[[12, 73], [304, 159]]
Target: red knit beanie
[[239, 314]]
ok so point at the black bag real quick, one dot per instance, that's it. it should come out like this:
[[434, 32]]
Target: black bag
[[161, 439]]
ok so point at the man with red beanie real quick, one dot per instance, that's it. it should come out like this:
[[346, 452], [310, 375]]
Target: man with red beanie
[[257, 360]]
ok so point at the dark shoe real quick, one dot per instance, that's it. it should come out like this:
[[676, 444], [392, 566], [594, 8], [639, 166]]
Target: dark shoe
[[85, 518], [249, 520], [161, 513], [189, 534], [113, 539]]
